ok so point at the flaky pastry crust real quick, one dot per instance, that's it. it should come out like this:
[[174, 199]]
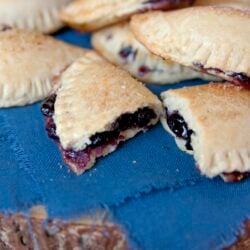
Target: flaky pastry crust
[[30, 65], [218, 114], [39, 15], [89, 15], [213, 39], [92, 96], [118, 44]]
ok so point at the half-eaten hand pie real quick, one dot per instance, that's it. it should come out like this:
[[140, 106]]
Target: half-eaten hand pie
[[118, 44], [30, 65], [213, 40], [96, 108], [39, 15], [89, 15], [212, 122]]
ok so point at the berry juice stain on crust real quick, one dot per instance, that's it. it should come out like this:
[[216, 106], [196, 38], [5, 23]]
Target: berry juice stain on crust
[[128, 53], [47, 108], [240, 78], [235, 176], [143, 70], [5, 27], [164, 4]]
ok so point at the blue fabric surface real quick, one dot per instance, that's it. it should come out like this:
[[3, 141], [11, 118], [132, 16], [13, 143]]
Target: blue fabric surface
[[205, 216], [139, 165], [149, 185]]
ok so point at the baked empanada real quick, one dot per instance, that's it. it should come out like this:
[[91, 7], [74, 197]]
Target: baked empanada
[[89, 15], [39, 15], [212, 122], [118, 44], [213, 40], [30, 64], [96, 108]]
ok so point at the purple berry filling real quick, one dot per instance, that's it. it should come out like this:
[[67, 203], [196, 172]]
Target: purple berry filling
[[232, 177], [47, 108], [143, 70], [164, 4], [128, 53], [140, 119], [179, 127], [237, 78], [5, 27], [235, 176]]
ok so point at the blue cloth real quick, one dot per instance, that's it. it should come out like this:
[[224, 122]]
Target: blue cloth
[[205, 216], [148, 185]]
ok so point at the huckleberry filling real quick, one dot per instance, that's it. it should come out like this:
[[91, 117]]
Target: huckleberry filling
[[47, 110], [143, 70], [179, 127], [237, 78], [128, 53], [231, 177], [5, 27], [48, 106], [163, 4], [140, 119], [235, 176]]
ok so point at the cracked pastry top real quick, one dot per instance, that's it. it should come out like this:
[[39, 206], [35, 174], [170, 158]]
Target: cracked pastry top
[[30, 64], [211, 122], [214, 40], [39, 15], [90, 15], [97, 106], [118, 45]]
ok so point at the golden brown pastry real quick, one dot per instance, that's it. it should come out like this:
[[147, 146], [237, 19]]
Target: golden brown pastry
[[97, 107], [30, 64], [212, 122], [39, 15], [214, 40], [118, 45], [89, 15]]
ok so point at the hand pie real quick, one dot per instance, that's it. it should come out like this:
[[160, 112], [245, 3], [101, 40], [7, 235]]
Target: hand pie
[[118, 44], [30, 64], [201, 38], [239, 4], [96, 108], [212, 122], [39, 15], [89, 15]]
